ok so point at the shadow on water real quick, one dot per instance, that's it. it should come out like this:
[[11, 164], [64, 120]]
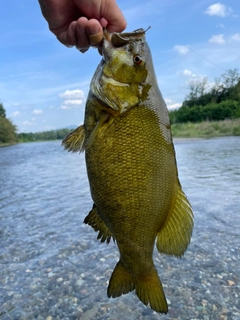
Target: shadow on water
[[52, 266]]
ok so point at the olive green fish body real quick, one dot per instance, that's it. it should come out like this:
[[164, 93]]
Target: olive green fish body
[[131, 168], [132, 151]]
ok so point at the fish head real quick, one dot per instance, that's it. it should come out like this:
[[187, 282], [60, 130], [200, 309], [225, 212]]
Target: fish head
[[120, 81]]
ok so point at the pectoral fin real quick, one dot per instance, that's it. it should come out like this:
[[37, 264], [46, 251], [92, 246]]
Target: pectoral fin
[[104, 117], [94, 220], [174, 237], [74, 142]]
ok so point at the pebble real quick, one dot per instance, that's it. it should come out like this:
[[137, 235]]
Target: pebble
[[79, 282]]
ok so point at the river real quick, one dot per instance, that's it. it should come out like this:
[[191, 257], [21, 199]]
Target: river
[[52, 266]]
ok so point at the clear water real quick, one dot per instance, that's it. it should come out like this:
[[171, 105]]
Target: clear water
[[52, 266]]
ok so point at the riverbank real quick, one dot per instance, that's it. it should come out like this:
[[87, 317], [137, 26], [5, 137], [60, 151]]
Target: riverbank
[[207, 129], [7, 144], [189, 130]]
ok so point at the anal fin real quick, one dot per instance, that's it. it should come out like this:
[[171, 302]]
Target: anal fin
[[175, 235], [94, 220]]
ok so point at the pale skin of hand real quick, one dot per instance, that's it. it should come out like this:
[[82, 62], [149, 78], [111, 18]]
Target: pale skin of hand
[[79, 22]]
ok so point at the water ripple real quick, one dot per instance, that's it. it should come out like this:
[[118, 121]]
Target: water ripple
[[52, 265]]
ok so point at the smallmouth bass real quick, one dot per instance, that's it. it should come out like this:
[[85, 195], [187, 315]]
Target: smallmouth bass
[[131, 166]]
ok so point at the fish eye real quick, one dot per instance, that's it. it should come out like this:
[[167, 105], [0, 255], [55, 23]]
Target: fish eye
[[137, 59]]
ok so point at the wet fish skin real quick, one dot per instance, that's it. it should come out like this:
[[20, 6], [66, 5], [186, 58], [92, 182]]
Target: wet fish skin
[[132, 168]]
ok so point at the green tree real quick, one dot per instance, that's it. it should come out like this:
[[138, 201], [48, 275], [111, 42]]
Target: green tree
[[231, 78], [7, 128], [197, 90], [2, 111]]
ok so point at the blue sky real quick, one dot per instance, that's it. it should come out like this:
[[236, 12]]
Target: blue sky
[[44, 85]]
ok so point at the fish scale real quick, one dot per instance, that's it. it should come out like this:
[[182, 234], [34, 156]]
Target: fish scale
[[131, 167]]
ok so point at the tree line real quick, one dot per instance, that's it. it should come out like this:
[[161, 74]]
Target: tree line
[[43, 136], [220, 102], [8, 131], [9, 135]]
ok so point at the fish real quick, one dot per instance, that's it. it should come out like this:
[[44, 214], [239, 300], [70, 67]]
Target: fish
[[131, 165]]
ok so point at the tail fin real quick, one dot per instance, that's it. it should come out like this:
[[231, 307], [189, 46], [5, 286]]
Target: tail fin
[[148, 287], [149, 290], [121, 282]]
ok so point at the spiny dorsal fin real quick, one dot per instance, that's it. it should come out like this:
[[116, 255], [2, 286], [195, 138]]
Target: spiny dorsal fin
[[174, 237], [74, 142]]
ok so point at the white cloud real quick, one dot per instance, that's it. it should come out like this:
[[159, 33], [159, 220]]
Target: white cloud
[[72, 99], [37, 111], [181, 49], [235, 37], [73, 102], [187, 73], [65, 107], [72, 94], [15, 114], [218, 38], [218, 9], [220, 25], [28, 123], [69, 106], [174, 106], [171, 105]]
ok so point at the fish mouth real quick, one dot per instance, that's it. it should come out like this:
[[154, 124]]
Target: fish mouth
[[117, 40]]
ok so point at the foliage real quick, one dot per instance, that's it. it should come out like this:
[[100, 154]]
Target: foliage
[[43, 136], [207, 129], [2, 111], [221, 102], [228, 109], [7, 128]]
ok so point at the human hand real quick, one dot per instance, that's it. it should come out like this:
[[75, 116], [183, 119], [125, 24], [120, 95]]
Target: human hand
[[79, 22]]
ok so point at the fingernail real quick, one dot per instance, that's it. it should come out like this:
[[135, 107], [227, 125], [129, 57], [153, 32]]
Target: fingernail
[[83, 50], [95, 38]]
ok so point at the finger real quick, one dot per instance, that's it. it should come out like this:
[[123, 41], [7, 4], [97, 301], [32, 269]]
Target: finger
[[94, 32], [114, 16], [82, 38], [59, 14], [68, 37]]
